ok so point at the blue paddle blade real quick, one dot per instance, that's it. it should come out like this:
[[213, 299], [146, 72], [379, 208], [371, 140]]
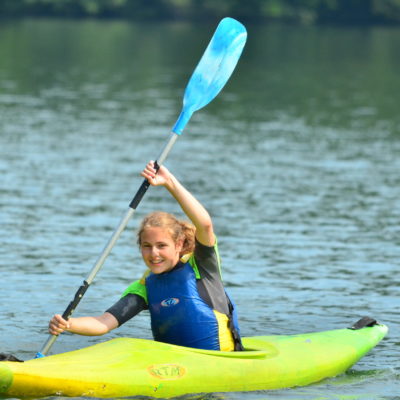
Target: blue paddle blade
[[214, 69]]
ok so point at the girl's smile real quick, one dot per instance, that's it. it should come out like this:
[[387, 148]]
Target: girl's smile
[[159, 251]]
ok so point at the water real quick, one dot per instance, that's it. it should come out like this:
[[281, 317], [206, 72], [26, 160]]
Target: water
[[297, 160]]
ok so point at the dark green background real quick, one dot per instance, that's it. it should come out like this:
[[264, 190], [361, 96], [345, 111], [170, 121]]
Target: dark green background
[[303, 11]]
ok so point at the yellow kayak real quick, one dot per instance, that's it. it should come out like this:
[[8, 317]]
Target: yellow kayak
[[133, 367]]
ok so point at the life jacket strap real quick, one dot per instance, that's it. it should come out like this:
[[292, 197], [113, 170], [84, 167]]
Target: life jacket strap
[[237, 340]]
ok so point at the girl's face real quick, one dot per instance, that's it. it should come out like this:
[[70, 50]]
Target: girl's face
[[159, 251]]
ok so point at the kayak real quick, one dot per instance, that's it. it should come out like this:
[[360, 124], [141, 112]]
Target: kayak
[[139, 367]]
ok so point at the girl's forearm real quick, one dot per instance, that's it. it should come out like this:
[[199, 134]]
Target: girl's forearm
[[193, 209], [92, 326]]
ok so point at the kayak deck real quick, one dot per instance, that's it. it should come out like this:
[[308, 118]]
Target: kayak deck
[[131, 367]]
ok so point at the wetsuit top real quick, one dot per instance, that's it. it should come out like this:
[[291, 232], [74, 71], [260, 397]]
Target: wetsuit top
[[192, 296]]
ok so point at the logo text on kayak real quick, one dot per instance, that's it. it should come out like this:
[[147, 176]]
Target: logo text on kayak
[[167, 371]]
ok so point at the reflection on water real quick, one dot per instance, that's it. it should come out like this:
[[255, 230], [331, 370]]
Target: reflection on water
[[297, 160]]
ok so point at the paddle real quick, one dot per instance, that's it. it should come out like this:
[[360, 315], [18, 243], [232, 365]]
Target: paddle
[[211, 74]]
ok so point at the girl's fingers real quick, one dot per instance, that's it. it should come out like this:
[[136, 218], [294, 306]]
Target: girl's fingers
[[58, 325], [150, 166], [55, 330], [149, 171], [148, 175]]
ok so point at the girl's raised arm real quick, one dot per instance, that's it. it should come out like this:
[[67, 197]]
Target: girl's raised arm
[[190, 205]]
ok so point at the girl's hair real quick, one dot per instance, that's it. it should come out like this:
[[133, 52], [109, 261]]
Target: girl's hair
[[178, 229]]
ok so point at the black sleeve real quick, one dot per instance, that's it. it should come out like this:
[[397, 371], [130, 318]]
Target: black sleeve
[[207, 261], [127, 307], [210, 284]]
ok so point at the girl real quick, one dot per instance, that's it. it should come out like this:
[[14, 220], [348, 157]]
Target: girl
[[182, 287]]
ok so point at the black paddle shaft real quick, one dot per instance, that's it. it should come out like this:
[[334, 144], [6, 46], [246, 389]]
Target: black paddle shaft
[[139, 194], [77, 298], [142, 190]]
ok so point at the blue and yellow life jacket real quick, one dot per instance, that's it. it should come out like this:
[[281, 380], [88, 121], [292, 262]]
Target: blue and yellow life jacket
[[180, 316]]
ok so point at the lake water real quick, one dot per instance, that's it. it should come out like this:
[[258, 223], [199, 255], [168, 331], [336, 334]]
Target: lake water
[[297, 160]]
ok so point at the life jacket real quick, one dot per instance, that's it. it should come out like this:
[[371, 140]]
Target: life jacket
[[180, 316]]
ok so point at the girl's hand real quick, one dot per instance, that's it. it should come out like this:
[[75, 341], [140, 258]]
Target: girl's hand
[[154, 177], [58, 325]]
